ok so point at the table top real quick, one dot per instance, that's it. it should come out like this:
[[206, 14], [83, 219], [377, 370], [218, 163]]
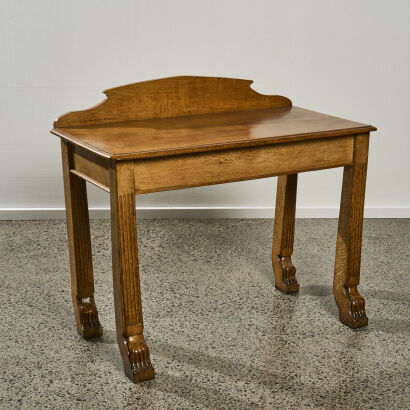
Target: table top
[[193, 114]]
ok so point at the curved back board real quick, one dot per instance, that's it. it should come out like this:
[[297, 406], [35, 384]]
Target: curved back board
[[172, 97]]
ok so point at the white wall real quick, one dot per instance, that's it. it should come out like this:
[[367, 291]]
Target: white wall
[[347, 58]]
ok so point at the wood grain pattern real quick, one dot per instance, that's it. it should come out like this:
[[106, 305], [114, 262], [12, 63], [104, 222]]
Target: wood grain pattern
[[177, 115], [349, 238], [283, 234], [79, 240], [93, 166], [211, 132], [171, 97], [182, 132], [176, 172], [127, 294]]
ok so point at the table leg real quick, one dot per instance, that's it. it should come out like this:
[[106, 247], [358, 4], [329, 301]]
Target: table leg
[[283, 234], [127, 294], [349, 238], [79, 242]]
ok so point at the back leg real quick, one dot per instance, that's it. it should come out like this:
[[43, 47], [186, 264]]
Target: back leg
[[283, 234]]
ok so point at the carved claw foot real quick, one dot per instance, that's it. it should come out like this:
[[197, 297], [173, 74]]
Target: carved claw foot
[[136, 359], [352, 308], [285, 275], [88, 323]]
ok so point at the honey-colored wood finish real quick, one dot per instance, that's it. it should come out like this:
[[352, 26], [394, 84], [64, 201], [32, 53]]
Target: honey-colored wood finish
[[173, 97], [184, 132], [283, 234], [203, 133], [127, 295], [349, 238], [207, 168], [95, 168], [79, 241], [180, 115]]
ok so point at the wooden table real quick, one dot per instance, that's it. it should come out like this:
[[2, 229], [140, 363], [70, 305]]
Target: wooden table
[[185, 132]]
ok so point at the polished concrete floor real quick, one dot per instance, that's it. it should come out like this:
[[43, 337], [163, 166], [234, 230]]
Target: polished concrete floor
[[220, 335]]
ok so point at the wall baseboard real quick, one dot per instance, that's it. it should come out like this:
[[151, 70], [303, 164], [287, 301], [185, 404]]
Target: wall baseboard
[[198, 212]]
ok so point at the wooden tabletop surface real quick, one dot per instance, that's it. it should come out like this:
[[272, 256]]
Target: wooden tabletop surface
[[273, 120]]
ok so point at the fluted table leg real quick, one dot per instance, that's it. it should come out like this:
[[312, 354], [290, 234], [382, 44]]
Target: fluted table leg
[[127, 294], [349, 238], [79, 242], [283, 234]]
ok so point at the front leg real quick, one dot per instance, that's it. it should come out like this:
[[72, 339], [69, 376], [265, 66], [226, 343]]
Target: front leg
[[127, 295], [283, 234], [349, 238]]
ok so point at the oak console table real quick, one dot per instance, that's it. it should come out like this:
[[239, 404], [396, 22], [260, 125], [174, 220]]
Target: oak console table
[[184, 132]]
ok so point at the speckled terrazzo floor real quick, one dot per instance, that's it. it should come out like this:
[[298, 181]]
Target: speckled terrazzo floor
[[220, 335]]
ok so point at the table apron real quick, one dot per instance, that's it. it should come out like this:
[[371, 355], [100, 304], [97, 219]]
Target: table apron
[[217, 167], [209, 168], [91, 167]]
